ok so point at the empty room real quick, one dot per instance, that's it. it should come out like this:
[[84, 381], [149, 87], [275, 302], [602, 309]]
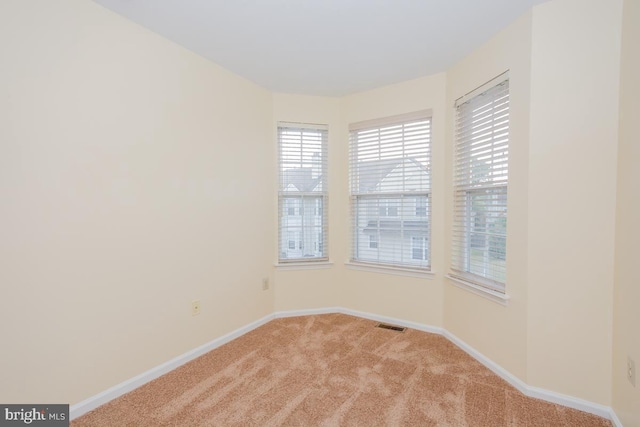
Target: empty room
[[319, 212]]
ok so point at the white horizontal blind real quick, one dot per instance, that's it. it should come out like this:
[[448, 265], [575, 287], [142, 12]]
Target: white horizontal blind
[[480, 185], [390, 172], [302, 195]]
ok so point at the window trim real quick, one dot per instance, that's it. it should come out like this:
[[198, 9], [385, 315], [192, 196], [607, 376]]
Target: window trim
[[400, 205], [390, 269], [491, 295], [299, 206], [306, 265], [460, 275]]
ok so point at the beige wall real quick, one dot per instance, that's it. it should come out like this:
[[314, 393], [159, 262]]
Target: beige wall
[[317, 288], [132, 182], [408, 298], [555, 332], [626, 334], [572, 190], [497, 331]]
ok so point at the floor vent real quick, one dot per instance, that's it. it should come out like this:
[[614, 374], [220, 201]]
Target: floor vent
[[391, 327]]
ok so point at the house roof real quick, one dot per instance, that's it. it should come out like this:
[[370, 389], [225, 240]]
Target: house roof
[[372, 173], [301, 179]]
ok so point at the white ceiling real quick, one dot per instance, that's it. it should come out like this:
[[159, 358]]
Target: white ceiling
[[326, 47]]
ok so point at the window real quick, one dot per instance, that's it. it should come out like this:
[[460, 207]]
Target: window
[[390, 168], [318, 208], [302, 194], [421, 206], [480, 185], [291, 206], [388, 208], [419, 248]]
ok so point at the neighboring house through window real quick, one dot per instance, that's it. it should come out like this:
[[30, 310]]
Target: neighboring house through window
[[419, 248], [390, 171], [302, 194], [480, 185], [421, 206]]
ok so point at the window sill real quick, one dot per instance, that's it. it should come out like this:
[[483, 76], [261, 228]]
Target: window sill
[[310, 265], [489, 294], [385, 269]]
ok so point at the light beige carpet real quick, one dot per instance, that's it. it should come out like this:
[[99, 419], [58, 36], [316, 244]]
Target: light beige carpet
[[333, 370]]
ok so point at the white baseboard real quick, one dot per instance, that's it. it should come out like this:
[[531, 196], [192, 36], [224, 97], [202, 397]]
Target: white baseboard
[[530, 391], [118, 390], [614, 419], [392, 320], [527, 390], [535, 392], [307, 312], [497, 369], [569, 401]]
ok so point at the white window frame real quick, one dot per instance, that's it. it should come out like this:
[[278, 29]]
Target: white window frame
[[480, 188], [302, 171], [410, 147]]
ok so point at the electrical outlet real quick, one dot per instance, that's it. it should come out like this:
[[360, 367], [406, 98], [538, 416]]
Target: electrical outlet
[[195, 307], [265, 283], [631, 371]]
